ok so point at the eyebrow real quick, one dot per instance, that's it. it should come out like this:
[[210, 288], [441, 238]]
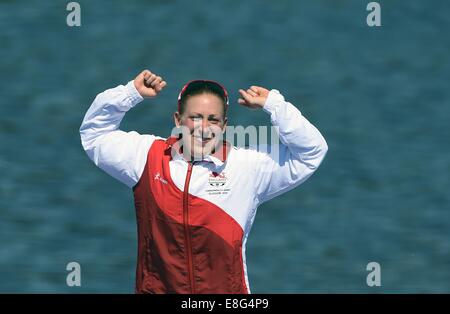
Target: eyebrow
[[199, 114]]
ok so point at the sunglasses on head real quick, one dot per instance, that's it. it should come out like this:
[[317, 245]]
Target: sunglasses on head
[[198, 84]]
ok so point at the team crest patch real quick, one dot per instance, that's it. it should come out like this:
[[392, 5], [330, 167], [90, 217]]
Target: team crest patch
[[217, 179], [217, 182]]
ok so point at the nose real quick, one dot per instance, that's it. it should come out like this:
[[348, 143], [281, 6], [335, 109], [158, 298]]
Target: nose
[[203, 124]]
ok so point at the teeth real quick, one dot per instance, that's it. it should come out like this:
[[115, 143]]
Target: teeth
[[202, 138]]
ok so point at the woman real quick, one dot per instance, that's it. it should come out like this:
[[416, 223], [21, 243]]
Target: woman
[[196, 195]]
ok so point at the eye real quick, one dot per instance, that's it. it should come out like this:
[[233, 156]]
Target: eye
[[214, 120]]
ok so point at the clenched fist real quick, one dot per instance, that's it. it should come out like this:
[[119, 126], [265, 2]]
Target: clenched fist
[[149, 84]]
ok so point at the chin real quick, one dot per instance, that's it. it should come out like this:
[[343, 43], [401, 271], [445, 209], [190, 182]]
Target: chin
[[200, 150]]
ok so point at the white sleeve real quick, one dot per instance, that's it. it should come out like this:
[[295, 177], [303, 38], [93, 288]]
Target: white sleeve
[[122, 155], [302, 148]]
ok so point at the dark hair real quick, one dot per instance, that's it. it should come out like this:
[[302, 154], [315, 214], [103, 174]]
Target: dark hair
[[199, 87]]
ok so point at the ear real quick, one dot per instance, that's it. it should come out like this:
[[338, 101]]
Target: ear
[[177, 118]]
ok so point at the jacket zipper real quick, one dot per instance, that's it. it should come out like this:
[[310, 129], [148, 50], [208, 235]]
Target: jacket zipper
[[186, 228]]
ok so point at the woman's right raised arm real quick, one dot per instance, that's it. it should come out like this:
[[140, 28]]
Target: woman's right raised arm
[[120, 154]]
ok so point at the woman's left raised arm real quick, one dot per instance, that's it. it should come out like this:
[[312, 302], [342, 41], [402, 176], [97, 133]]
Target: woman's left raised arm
[[301, 149]]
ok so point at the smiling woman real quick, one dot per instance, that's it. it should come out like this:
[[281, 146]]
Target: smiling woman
[[202, 107], [196, 195]]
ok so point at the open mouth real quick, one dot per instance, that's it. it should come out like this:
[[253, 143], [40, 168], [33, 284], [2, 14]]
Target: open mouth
[[202, 140]]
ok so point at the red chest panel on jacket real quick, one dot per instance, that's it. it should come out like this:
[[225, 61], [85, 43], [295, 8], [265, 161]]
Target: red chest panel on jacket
[[185, 244]]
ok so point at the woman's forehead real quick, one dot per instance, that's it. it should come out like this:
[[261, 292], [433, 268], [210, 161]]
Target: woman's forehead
[[205, 104]]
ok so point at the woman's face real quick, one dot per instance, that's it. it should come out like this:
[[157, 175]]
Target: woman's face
[[204, 122]]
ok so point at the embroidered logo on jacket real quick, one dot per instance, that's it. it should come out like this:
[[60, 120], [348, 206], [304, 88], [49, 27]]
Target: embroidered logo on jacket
[[158, 177], [217, 181]]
